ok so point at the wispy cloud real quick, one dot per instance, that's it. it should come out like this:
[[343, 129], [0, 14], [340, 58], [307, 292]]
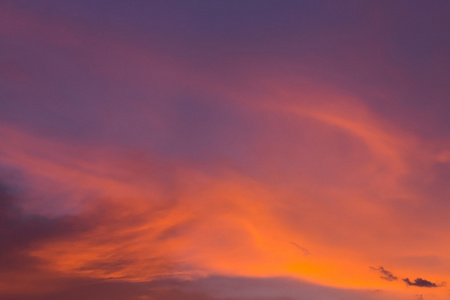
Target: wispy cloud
[[385, 274], [302, 249]]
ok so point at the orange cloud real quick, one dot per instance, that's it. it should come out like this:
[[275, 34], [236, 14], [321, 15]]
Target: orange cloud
[[321, 172], [140, 227]]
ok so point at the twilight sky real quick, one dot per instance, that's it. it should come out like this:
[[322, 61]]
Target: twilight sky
[[224, 150]]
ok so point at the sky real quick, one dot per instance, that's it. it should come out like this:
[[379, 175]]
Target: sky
[[224, 150]]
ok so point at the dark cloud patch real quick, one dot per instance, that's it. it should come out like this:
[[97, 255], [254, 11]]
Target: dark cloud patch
[[20, 231], [385, 274], [419, 282], [302, 249]]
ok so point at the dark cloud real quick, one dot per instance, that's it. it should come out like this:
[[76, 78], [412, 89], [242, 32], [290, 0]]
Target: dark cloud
[[419, 282], [303, 249], [20, 229], [21, 232], [385, 274]]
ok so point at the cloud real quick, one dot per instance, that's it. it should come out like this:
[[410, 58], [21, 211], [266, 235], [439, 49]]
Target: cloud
[[385, 274], [205, 288], [21, 230], [151, 154], [20, 234], [419, 282], [303, 249]]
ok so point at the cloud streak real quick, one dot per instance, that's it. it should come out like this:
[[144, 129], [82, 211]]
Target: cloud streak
[[302, 249], [385, 274]]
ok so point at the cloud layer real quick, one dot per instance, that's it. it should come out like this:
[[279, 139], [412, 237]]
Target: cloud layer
[[223, 150]]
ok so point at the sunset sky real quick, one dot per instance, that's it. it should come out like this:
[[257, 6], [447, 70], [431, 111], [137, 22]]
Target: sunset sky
[[224, 150]]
